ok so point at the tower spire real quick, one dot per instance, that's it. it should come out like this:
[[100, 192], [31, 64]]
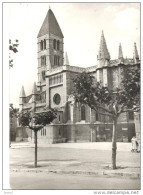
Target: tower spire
[[22, 93], [120, 54], [34, 90], [66, 59], [103, 51], [22, 98], [135, 54], [50, 25]]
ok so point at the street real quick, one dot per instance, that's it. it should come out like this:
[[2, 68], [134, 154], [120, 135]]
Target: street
[[26, 180], [73, 168]]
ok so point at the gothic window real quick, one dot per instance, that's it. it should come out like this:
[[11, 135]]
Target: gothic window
[[41, 45], [97, 116], [54, 43], [55, 60], [58, 60], [43, 75], [43, 60], [82, 112], [58, 45], [44, 43]]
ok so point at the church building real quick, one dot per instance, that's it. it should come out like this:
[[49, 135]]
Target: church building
[[75, 122]]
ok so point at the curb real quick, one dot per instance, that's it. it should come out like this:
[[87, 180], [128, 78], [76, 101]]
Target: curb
[[78, 172]]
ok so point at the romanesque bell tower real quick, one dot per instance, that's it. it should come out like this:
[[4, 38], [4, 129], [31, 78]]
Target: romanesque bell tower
[[50, 47]]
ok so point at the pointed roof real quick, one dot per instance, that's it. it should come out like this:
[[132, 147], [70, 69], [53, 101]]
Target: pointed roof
[[66, 59], [50, 25], [34, 90], [22, 93], [120, 54], [103, 51], [135, 53]]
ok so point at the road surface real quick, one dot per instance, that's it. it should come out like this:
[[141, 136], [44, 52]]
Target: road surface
[[33, 180]]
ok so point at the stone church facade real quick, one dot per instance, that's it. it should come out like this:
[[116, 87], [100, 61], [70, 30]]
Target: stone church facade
[[74, 122]]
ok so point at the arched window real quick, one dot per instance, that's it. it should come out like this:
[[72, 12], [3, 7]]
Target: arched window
[[41, 45], [44, 43], [43, 75], [54, 43], [43, 60], [97, 116], [82, 112], [58, 45], [55, 60], [58, 60]]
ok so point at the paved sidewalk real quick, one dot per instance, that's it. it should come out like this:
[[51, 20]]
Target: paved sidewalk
[[90, 145], [75, 158]]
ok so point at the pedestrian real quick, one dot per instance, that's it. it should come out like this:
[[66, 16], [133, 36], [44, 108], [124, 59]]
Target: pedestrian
[[134, 144]]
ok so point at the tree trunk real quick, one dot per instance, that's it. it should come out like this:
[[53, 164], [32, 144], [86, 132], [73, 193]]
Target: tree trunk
[[114, 146], [35, 132]]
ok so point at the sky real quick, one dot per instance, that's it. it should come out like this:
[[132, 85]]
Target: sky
[[81, 24]]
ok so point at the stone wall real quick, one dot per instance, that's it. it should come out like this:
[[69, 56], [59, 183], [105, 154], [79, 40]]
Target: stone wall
[[58, 133], [89, 132], [23, 133]]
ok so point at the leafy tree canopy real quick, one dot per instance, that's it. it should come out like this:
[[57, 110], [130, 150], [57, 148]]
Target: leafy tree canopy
[[13, 112], [110, 102], [13, 45], [38, 120]]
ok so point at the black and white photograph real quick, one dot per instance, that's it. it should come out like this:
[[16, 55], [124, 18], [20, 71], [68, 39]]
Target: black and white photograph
[[71, 93]]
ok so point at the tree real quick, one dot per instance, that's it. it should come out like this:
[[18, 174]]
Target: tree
[[12, 47], [36, 123], [13, 111], [109, 102]]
